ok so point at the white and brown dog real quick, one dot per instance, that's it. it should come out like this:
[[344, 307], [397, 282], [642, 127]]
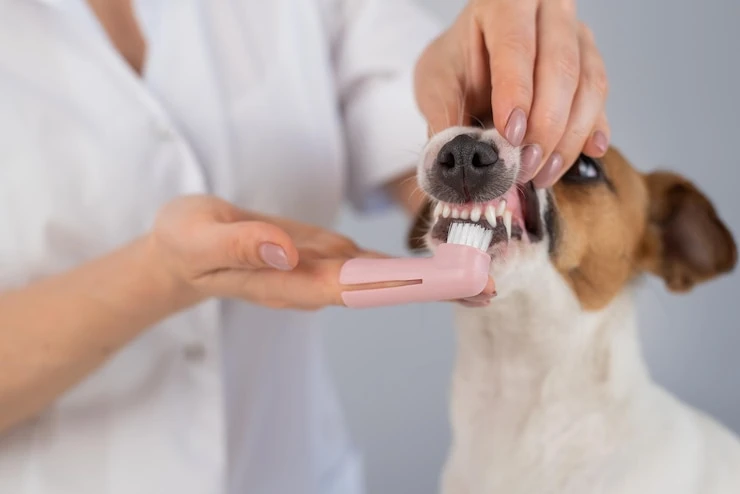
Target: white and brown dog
[[550, 392]]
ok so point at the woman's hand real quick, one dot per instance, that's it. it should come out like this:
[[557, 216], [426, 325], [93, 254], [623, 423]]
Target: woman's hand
[[532, 66], [212, 248]]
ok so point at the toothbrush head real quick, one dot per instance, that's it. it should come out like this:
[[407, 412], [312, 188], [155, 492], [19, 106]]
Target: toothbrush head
[[470, 234]]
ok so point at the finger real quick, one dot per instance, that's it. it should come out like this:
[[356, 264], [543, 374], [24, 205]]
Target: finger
[[444, 108], [248, 245], [437, 88], [509, 33], [486, 295], [479, 298], [598, 144], [557, 73], [588, 106], [490, 289], [473, 305]]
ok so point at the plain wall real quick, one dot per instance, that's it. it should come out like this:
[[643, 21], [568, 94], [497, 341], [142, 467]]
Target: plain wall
[[674, 75]]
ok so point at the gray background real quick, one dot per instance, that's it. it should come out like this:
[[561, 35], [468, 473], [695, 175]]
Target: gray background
[[674, 74]]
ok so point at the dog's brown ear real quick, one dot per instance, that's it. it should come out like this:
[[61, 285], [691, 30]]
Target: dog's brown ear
[[685, 242], [419, 228]]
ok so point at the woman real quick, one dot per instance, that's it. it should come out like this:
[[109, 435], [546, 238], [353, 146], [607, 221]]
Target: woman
[[162, 163]]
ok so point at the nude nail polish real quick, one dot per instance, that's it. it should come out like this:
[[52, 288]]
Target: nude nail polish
[[530, 160], [516, 127], [600, 141], [274, 256], [550, 172]]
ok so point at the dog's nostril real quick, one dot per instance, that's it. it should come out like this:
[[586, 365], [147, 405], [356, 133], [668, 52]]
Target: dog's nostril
[[446, 159], [484, 156]]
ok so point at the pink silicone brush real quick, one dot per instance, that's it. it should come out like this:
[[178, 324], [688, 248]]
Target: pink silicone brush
[[458, 269]]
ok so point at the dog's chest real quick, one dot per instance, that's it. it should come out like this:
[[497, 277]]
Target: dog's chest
[[526, 446], [531, 414]]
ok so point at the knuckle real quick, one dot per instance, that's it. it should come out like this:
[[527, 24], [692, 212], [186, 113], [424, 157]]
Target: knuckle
[[597, 81], [568, 65], [239, 251], [519, 41], [551, 124], [578, 136], [517, 85]]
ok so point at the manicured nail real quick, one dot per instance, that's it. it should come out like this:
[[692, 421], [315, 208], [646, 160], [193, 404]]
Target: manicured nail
[[531, 158], [600, 141], [274, 256], [550, 172], [516, 127]]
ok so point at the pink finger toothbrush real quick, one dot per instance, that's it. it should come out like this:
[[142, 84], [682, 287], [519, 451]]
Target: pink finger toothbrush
[[459, 269]]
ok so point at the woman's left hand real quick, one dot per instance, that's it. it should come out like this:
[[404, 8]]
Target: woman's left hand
[[532, 66]]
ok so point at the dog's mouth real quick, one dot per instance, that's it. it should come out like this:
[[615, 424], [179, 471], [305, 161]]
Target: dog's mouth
[[515, 216]]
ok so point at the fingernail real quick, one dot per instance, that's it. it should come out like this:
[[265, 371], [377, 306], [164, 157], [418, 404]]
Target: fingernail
[[549, 173], [516, 127], [600, 141], [274, 255], [531, 157]]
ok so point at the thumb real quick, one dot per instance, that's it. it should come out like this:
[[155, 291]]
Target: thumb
[[251, 245], [441, 114]]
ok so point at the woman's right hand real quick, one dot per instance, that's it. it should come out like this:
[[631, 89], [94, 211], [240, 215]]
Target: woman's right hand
[[213, 249]]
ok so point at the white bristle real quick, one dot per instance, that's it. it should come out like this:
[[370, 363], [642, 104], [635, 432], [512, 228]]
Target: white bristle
[[470, 235]]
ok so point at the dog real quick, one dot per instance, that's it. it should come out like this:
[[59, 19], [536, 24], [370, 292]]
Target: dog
[[550, 394]]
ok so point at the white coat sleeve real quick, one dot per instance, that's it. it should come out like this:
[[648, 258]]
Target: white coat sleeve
[[375, 46]]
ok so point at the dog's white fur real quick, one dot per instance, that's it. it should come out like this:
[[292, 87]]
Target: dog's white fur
[[548, 398]]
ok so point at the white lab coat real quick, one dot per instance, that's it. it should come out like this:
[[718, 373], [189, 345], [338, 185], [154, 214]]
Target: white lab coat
[[281, 106]]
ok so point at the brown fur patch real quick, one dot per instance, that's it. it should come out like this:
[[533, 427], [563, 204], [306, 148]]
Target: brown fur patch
[[658, 223], [686, 242], [419, 228], [601, 227]]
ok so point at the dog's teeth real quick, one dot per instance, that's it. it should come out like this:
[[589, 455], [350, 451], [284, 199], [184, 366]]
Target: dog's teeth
[[501, 208], [455, 213], [446, 211], [475, 214], [491, 216], [464, 214], [507, 224], [438, 210]]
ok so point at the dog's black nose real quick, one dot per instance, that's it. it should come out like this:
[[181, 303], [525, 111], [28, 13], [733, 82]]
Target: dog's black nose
[[465, 151], [466, 166]]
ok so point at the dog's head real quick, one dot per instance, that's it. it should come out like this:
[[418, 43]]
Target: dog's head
[[600, 226]]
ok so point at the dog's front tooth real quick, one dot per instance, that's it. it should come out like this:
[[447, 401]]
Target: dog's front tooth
[[437, 210], [475, 214], [491, 216], [464, 214], [446, 211], [501, 208], [455, 213], [507, 224]]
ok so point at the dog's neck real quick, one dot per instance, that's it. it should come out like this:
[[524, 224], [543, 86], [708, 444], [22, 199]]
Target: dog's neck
[[536, 341]]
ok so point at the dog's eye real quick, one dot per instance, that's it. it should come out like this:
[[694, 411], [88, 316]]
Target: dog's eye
[[584, 170]]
